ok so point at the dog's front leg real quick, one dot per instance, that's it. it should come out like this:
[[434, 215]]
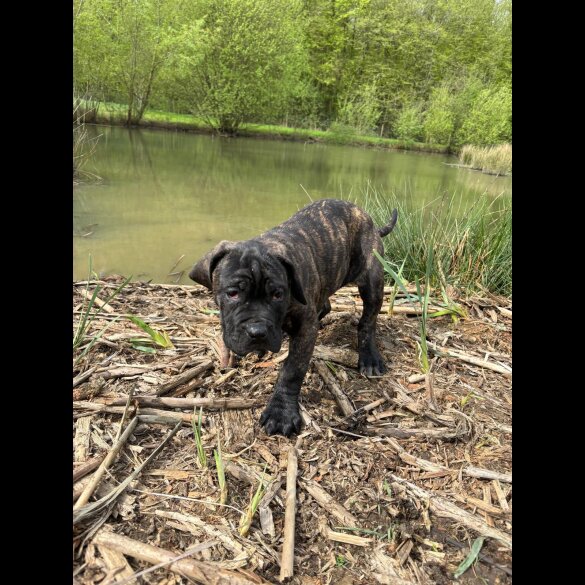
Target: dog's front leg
[[282, 416]]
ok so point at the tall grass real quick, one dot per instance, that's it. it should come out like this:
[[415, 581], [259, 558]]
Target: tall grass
[[89, 312], [472, 247], [488, 159]]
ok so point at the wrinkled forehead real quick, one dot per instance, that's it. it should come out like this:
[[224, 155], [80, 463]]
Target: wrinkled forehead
[[254, 266]]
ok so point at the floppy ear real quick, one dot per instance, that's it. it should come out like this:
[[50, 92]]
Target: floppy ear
[[202, 272], [295, 283]]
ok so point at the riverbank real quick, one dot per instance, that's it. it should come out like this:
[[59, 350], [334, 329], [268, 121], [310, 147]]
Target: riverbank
[[116, 114], [431, 455]]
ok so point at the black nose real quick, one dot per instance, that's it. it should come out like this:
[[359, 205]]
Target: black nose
[[256, 330]]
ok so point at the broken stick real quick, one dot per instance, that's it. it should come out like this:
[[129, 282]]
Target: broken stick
[[200, 572], [288, 546], [97, 476], [340, 397]]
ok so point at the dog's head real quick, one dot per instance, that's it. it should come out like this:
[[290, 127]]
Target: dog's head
[[253, 289]]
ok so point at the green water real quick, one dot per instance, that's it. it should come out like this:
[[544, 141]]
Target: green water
[[164, 195]]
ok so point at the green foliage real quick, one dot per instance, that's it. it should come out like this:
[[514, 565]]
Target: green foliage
[[409, 124], [246, 518], [198, 440], [159, 338], [470, 558], [341, 133], [360, 110], [438, 70], [219, 466], [489, 119], [439, 123], [492, 159], [472, 248], [90, 309], [423, 299], [247, 63], [120, 47]]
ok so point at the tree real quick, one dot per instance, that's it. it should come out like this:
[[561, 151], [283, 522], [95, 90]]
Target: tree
[[120, 47], [248, 65]]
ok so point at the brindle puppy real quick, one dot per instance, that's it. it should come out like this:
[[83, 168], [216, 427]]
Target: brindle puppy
[[282, 281]]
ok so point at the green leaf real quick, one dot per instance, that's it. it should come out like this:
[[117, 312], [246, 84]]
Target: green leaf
[[471, 557], [144, 348], [397, 279], [161, 338]]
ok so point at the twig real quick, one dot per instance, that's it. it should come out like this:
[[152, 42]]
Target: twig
[[143, 412], [403, 433], [505, 312], [187, 403], [477, 503], [266, 519], [79, 486], [342, 536], [404, 400], [416, 461], [82, 377], [442, 352], [246, 473], [416, 378], [97, 476], [500, 495], [84, 468], [187, 499], [341, 399], [200, 572], [187, 553], [371, 405], [103, 305], [91, 509], [345, 357], [432, 467], [288, 546], [487, 474], [125, 414], [117, 564], [184, 377], [228, 542], [431, 391], [82, 436], [444, 508], [328, 503], [85, 375]]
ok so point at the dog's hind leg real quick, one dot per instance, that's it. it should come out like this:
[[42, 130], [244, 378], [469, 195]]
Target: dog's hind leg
[[325, 310], [371, 289]]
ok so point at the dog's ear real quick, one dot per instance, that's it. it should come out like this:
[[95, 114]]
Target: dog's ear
[[295, 284], [202, 272]]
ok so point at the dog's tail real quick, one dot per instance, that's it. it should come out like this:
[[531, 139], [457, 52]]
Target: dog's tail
[[384, 231]]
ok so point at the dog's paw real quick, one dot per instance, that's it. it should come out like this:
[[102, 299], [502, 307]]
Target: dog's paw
[[371, 363], [281, 417]]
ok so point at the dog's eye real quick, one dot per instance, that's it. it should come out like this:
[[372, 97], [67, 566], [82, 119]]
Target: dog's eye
[[277, 295], [232, 294]]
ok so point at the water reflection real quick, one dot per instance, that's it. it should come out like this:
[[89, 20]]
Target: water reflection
[[165, 194]]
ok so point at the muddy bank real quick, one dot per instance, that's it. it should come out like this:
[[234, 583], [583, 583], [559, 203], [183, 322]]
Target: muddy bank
[[417, 467]]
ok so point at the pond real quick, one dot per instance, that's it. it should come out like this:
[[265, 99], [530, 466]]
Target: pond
[[164, 198]]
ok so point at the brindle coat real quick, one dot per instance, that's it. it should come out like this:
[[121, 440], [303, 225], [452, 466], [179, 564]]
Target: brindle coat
[[282, 281]]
